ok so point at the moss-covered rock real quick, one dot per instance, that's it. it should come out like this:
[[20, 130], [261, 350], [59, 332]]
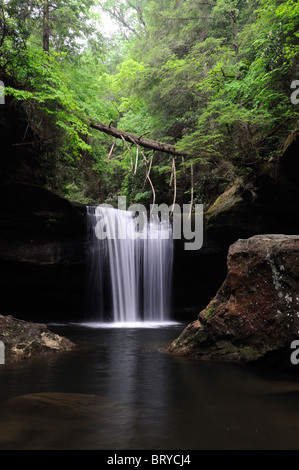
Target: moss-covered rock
[[255, 313], [24, 340]]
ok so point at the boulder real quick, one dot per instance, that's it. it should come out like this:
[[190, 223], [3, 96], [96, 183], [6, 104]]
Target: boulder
[[254, 316], [266, 202], [24, 340]]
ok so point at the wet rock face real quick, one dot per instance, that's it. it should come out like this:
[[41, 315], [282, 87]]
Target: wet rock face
[[42, 253], [24, 340], [255, 313], [42, 235], [289, 160]]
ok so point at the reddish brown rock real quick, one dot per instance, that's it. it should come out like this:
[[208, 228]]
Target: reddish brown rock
[[255, 314]]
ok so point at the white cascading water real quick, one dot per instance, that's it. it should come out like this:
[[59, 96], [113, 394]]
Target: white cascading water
[[130, 273]]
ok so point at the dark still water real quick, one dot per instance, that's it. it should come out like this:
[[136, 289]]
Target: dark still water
[[121, 391]]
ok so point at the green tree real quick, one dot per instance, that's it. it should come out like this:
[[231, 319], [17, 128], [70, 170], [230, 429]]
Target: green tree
[[129, 14], [216, 78], [211, 77]]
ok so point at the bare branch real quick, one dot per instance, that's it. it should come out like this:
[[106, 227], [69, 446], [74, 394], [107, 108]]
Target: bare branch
[[131, 157], [111, 151], [192, 190], [174, 184], [149, 179], [136, 162], [141, 141]]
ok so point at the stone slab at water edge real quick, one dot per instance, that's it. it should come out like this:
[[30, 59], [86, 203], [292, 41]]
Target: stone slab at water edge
[[254, 316], [24, 340]]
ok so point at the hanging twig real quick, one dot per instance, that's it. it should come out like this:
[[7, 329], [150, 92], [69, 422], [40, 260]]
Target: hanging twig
[[136, 163], [171, 176], [131, 157], [146, 165], [151, 162], [192, 190], [111, 151], [152, 186], [148, 170], [137, 154], [174, 184]]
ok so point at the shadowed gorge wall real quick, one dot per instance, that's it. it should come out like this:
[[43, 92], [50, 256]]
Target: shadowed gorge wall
[[43, 236]]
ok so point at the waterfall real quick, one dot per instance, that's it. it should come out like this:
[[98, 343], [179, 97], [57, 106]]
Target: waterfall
[[129, 267]]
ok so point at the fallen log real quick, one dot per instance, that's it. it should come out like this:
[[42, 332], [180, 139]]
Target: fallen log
[[142, 141]]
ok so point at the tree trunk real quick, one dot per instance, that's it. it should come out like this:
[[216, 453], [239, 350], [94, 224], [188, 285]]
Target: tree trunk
[[134, 139], [46, 26], [235, 31]]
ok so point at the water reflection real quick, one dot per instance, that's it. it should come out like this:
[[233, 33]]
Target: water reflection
[[120, 390]]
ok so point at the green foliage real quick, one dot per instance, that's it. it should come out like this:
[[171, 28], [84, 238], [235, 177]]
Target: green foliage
[[218, 75], [213, 78], [52, 91], [61, 90]]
